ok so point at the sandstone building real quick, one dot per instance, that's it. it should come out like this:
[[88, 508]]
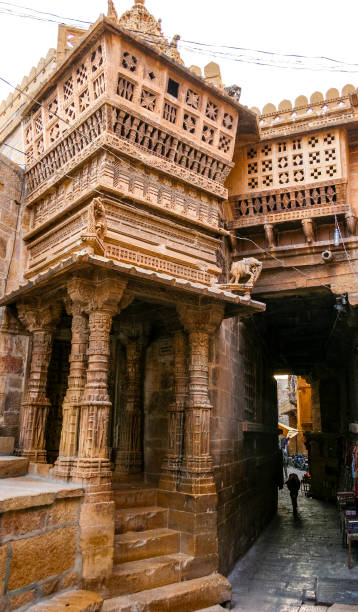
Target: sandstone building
[[137, 371]]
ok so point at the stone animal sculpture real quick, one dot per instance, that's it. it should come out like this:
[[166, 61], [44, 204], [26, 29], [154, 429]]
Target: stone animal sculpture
[[248, 268]]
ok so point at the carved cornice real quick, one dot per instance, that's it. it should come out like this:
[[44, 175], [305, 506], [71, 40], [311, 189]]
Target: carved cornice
[[205, 319], [37, 316]]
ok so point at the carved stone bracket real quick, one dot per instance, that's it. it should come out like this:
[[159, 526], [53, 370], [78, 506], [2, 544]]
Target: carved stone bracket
[[96, 229], [40, 320], [197, 469]]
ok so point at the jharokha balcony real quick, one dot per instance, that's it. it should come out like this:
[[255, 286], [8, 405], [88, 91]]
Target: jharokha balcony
[[282, 205]]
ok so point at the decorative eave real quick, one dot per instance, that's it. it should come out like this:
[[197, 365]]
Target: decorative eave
[[234, 304], [104, 24]]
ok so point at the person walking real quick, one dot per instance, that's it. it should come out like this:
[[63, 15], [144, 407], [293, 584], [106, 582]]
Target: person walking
[[293, 484]]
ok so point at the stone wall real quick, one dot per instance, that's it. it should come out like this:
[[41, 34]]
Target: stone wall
[[39, 545], [243, 393], [14, 342]]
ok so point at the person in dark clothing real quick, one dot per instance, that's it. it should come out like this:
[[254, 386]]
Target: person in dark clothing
[[293, 484]]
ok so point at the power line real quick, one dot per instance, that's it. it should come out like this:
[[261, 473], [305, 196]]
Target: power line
[[213, 50]]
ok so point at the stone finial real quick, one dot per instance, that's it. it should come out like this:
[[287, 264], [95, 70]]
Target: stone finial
[[112, 13], [139, 1]]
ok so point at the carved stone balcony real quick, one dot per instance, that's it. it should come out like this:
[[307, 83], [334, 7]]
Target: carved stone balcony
[[284, 205]]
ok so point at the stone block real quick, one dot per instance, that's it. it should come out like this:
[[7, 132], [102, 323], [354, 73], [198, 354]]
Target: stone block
[[72, 601], [17, 601], [12, 466], [37, 558], [14, 524], [64, 511], [7, 445], [70, 579], [135, 546], [188, 595], [141, 519], [93, 536], [3, 559], [200, 566], [97, 513], [97, 563], [199, 545], [184, 501], [147, 574], [191, 522]]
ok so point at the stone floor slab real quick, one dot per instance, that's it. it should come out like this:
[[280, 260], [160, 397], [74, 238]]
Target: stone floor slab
[[293, 561]]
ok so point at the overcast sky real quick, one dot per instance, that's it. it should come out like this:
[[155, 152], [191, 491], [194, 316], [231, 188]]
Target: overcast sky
[[305, 27]]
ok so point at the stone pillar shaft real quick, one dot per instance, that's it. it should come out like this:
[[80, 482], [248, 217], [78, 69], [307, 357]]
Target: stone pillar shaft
[[40, 321], [36, 405], [176, 412], [130, 454], [95, 402], [73, 397], [197, 468]]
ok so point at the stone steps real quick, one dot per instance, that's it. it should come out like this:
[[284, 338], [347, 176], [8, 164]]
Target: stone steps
[[141, 519], [187, 596], [11, 466], [130, 497], [134, 546], [147, 574], [72, 601]]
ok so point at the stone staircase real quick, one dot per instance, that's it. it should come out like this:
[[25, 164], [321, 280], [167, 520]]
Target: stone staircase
[[150, 573]]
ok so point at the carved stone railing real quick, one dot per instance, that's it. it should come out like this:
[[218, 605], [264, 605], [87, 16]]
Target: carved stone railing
[[289, 204], [116, 128]]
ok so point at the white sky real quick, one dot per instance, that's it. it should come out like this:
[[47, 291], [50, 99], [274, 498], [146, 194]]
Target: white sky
[[306, 27]]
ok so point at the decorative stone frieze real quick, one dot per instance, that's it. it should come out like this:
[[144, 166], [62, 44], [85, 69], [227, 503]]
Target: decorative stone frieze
[[40, 320]]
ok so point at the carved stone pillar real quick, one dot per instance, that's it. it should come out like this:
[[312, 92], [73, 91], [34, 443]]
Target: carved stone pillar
[[40, 321], [101, 299], [172, 462], [197, 468], [129, 457], [73, 397]]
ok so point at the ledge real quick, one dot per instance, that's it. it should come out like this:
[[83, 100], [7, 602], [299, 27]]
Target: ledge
[[236, 304], [27, 492]]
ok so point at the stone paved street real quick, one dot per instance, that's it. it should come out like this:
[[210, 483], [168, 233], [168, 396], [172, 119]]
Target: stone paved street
[[297, 565]]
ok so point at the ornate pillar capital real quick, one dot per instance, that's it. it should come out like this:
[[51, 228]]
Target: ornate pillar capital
[[201, 318], [104, 292], [36, 315]]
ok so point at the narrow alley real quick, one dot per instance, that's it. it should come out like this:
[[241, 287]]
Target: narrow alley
[[297, 565]]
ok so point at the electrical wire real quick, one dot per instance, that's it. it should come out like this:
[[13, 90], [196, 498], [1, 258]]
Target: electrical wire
[[293, 61]]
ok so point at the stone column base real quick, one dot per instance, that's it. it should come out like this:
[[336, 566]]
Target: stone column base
[[63, 467], [128, 463], [197, 476], [33, 456], [95, 475]]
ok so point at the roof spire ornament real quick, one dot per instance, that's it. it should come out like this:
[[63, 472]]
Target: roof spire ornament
[[139, 21], [112, 13]]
